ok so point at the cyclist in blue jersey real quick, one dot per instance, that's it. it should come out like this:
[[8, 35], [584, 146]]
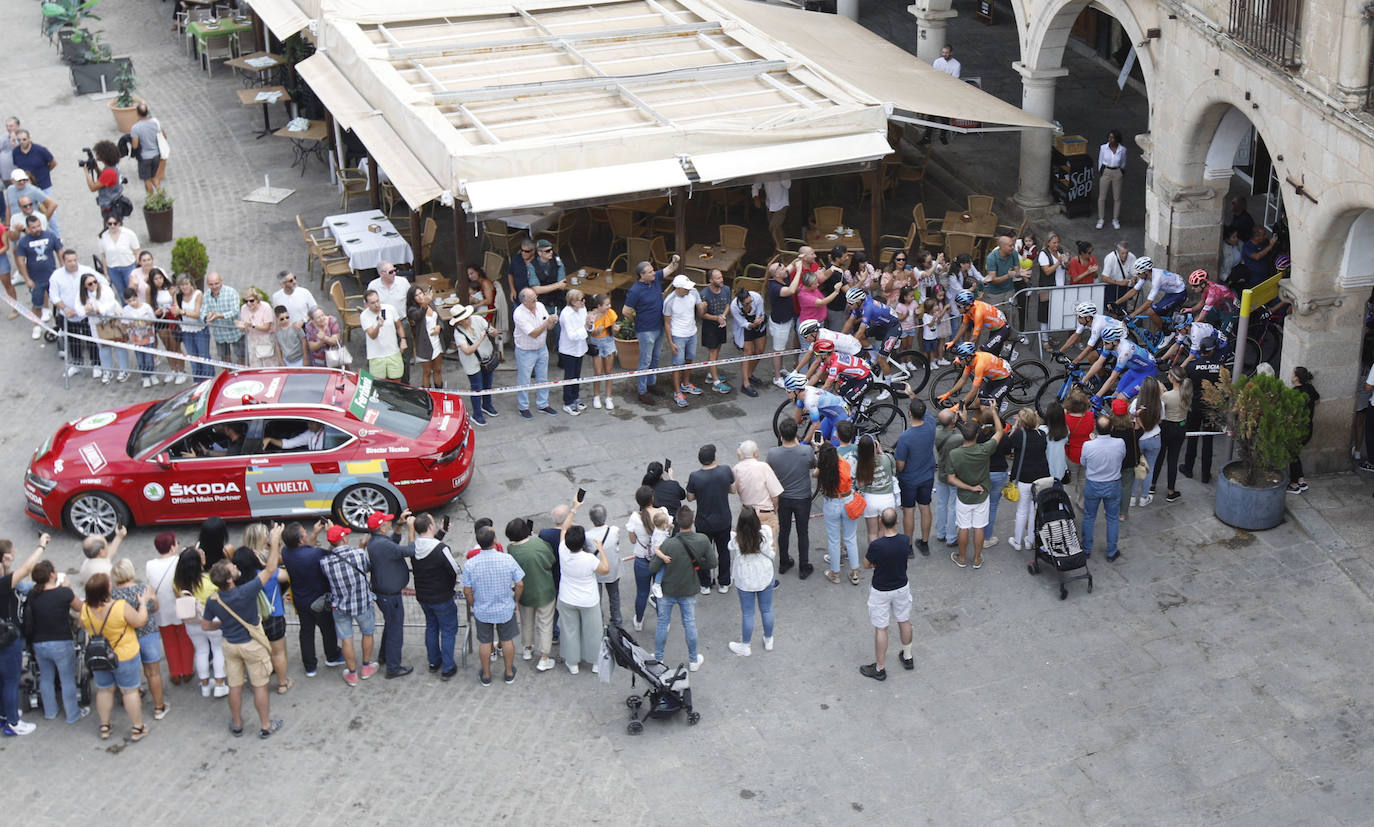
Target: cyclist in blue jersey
[[1133, 365], [824, 409], [873, 323]]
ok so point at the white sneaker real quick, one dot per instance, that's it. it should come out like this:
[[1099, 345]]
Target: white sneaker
[[1116, 225], [147, 383], [705, 589], [696, 664], [744, 650], [638, 624], [544, 664], [610, 404], [527, 654], [596, 669], [73, 370], [105, 378], [990, 542], [656, 590], [205, 690], [571, 410], [153, 380], [123, 376], [220, 690], [884, 395], [943, 363], [1014, 543], [723, 589], [572, 669], [37, 334], [581, 406], [95, 373], [20, 728], [1146, 500], [777, 380], [181, 379], [596, 402], [768, 644], [1099, 223]]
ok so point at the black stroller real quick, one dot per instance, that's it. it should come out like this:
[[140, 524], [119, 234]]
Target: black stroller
[[1056, 537], [669, 690]]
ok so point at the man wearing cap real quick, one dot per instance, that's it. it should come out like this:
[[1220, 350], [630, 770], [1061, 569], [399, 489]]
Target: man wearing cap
[[346, 567], [533, 321], [389, 577], [546, 276], [492, 584], [19, 191], [680, 319], [309, 585], [644, 305]]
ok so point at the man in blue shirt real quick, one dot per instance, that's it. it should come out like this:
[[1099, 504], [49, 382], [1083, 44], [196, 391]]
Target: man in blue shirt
[[644, 304], [915, 455], [302, 560], [492, 585], [1257, 255], [37, 255]]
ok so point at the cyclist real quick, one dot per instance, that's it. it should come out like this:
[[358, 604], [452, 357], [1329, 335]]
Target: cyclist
[[1095, 323], [979, 318], [1167, 291], [1132, 365], [1199, 332], [1215, 297], [825, 409], [812, 332], [877, 324], [982, 366], [850, 375]]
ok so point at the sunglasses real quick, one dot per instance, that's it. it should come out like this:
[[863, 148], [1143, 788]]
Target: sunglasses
[[525, 252], [111, 223], [900, 258], [252, 299]]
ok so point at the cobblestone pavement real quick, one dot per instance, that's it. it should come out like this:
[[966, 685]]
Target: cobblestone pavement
[[1212, 676]]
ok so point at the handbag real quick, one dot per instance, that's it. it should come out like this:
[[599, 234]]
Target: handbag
[[100, 653], [254, 630], [9, 633], [264, 350], [322, 602], [163, 148], [1142, 469], [1011, 491], [111, 331], [188, 608], [337, 357], [854, 509]]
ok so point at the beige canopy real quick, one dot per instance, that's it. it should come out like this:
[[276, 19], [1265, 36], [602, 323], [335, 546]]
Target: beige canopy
[[513, 105]]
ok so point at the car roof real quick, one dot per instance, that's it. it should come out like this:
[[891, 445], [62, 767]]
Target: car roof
[[318, 388]]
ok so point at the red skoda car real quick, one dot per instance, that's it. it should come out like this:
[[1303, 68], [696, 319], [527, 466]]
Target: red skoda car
[[261, 443]]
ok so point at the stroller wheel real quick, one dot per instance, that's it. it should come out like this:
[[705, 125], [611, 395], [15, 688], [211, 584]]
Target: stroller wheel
[[634, 727], [1063, 593], [634, 701], [49, 336], [1030, 569], [693, 718]]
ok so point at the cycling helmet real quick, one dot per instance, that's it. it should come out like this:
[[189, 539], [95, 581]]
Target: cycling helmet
[[1113, 334], [1209, 344], [810, 327], [823, 346], [1282, 263], [1197, 277], [1142, 265], [964, 298], [855, 295], [1181, 320], [965, 349], [794, 381], [1085, 309]]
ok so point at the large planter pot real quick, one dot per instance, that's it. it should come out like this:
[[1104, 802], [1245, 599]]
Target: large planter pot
[[86, 77], [159, 225], [1251, 509], [125, 116], [627, 353]]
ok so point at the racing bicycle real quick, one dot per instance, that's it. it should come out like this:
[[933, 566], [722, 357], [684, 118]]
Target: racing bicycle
[[1057, 389], [1026, 377], [874, 419], [1141, 334]]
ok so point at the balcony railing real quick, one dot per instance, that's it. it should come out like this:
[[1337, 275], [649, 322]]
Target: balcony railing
[[1273, 28]]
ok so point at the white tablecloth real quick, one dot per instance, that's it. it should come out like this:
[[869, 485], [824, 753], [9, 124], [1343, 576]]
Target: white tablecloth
[[533, 222], [364, 248]]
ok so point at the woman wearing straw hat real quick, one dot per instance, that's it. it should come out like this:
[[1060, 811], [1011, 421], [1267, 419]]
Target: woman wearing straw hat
[[476, 345]]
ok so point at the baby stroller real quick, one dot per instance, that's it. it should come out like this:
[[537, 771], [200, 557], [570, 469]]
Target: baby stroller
[[1056, 537], [668, 690], [31, 699]]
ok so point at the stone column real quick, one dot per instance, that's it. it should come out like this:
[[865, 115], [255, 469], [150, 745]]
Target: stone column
[[847, 8], [1324, 338], [1037, 98], [932, 18], [1183, 224]]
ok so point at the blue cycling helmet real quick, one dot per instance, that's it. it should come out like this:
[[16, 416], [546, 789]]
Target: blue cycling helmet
[[794, 381], [1113, 334], [1181, 320], [965, 349], [964, 298]]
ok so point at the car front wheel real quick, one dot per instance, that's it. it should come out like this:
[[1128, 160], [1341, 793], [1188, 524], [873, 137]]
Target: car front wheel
[[355, 503], [94, 512]]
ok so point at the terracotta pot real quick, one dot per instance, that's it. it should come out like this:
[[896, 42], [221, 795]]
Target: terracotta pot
[[125, 116], [627, 353]]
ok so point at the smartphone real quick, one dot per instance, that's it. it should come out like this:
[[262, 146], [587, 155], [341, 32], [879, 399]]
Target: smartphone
[[667, 464], [383, 312], [581, 494], [816, 437]]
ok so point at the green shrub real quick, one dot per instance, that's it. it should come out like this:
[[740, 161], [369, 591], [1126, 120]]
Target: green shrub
[[1268, 419], [189, 256]]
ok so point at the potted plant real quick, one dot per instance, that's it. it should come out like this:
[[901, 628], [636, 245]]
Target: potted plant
[[626, 342], [157, 215], [189, 257], [125, 105], [65, 16], [93, 67], [1268, 425]]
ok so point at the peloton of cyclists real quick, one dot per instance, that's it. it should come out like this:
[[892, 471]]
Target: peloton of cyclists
[[1094, 323], [1167, 291], [849, 376], [1131, 365]]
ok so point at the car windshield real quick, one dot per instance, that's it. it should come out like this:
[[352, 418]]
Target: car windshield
[[168, 418], [400, 409]]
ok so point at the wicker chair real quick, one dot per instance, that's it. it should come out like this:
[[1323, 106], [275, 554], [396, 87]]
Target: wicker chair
[[349, 314], [733, 235], [352, 181], [825, 219]]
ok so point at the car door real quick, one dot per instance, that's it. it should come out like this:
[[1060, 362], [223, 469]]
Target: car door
[[191, 488], [296, 481]]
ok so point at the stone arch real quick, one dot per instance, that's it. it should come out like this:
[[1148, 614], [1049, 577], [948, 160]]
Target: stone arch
[[1047, 33], [1339, 239]]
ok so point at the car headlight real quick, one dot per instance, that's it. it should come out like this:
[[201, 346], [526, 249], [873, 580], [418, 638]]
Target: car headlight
[[44, 448], [43, 484]]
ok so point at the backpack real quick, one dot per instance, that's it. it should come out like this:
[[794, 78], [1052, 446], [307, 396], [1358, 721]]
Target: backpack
[[100, 653]]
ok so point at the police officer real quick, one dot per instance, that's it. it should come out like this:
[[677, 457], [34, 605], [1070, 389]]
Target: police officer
[[1206, 368]]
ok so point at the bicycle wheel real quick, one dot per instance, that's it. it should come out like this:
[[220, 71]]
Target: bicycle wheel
[[784, 411], [1055, 389], [876, 419], [909, 366], [1270, 343], [943, 381], [1026, 377]]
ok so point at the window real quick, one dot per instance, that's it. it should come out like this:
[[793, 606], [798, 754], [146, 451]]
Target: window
[[1273, 28], [292, 435]]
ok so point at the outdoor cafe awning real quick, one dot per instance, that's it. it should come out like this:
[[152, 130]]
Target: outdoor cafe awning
[[283, 17], [351, 111]]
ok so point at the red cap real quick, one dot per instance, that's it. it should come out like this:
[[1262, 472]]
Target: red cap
[[338, 532], [376, 518], [1120, 406]]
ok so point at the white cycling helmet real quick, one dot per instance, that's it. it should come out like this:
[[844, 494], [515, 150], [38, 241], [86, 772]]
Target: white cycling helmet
[[810, 327], [1085, 309], [794, 381], [855, 295], [1142, 265], [1113, 334]]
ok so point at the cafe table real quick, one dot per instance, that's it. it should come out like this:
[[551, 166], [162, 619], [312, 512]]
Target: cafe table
[[305, 142], [822, 240], [264, 96], [368, 238], [713, 257], [253, 68]]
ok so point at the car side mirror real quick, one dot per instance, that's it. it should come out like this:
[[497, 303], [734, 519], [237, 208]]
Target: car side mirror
[[164, 460]]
